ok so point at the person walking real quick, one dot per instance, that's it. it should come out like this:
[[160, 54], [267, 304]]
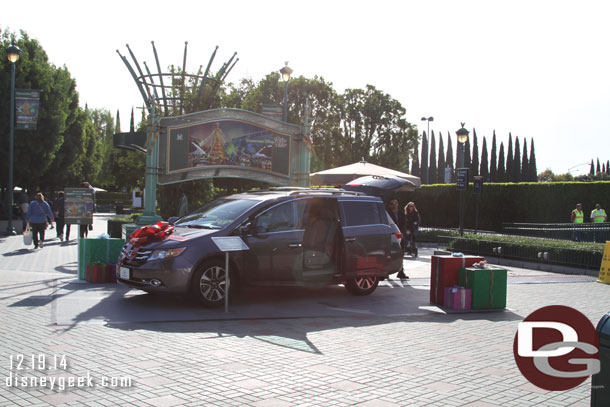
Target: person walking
[[59, 210], [412, 220], [37, 214], [24, 202]]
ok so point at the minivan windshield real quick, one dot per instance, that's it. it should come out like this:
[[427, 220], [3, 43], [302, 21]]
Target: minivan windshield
[[216, 214]]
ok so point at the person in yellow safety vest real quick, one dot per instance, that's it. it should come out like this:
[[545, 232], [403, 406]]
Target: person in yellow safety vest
[[598, 215], [577, 215]]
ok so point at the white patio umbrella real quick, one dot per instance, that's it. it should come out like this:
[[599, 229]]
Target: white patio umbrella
[[343, 175]]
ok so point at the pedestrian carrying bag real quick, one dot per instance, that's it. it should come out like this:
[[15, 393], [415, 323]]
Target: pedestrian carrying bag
[[27, 236]]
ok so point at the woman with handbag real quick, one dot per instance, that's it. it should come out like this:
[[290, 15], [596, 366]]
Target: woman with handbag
[[37, 214]]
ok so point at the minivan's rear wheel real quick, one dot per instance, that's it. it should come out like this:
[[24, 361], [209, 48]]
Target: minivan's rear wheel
[[362, 285], [209, 284]]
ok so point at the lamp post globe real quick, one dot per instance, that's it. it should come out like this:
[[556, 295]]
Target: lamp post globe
[[12, 53], [285, 72]]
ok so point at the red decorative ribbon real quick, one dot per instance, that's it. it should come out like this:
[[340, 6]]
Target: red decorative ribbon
[[151, 233]]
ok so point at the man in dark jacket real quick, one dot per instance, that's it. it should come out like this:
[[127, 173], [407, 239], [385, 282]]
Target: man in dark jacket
[[59, 210], [398, 216]]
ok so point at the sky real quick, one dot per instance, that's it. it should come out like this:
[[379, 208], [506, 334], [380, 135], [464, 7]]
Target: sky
[[537, 69]]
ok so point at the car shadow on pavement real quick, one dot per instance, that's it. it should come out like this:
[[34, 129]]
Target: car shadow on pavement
[[257, 312]]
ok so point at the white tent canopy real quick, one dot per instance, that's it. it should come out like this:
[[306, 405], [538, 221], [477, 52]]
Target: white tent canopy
[[343, 175]]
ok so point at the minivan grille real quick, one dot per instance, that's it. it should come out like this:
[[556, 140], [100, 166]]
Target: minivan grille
[[134, 256]]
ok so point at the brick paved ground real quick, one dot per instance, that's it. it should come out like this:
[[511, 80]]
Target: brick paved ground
[[364, 357]]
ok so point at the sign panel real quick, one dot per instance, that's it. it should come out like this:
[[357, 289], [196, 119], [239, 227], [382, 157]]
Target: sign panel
[[478, 185], [228, 143], [462, 179], [230, 243], [27, 104], [79, 206]]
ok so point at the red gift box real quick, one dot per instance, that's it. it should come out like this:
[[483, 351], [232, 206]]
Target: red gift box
[[457, 298], [444, 273], [105, 273]]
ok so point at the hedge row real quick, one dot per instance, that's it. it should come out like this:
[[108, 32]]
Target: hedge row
[[537, 202]]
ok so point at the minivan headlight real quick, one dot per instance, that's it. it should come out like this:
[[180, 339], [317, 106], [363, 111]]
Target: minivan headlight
[[166, 253]]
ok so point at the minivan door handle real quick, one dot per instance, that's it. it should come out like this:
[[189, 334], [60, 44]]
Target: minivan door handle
[[350, 239], [295, 245]]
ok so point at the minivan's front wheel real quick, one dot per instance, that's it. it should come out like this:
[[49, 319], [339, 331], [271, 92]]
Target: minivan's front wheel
[[209, 285], [362, 285]]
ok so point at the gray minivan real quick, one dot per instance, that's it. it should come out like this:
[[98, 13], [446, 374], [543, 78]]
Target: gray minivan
[[295, 236]]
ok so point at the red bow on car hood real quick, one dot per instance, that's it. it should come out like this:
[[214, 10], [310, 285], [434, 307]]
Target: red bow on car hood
[[151, 233]]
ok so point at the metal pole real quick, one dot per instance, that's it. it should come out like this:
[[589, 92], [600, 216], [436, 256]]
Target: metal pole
[[462, 192], [285, 115], [227, 282], [10, 230]]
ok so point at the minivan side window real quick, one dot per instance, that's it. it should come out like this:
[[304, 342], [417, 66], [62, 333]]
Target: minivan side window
[[279, 218], [361, 213]]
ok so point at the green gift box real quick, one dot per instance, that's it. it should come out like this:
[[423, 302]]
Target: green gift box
[[91, 251], [488, 286]]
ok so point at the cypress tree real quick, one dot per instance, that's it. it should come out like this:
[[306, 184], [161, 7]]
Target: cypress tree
[[474, 165], [432, 169], [517, 161], [449, 152], [592, 169], [525, 170], [532, 162], [604, 168], [493, 164], [132, 125], [598, 167], [484, 171], [608, 167], [423, 168], [502, 176], [441, 159], [509, 160], [117, 125]]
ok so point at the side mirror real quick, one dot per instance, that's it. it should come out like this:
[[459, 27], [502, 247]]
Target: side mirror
[[172, 219]]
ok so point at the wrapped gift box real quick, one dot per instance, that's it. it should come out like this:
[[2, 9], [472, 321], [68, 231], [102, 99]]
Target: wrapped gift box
[[444, 273], [457, 297], [488, 286], [92, 251], [105, 273]]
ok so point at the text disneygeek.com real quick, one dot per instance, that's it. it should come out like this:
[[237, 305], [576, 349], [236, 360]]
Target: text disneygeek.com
[[27, 371]]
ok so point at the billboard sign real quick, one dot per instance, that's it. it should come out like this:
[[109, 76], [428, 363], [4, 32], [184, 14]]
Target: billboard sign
[[27, 104], [79, 206], [228, 143]]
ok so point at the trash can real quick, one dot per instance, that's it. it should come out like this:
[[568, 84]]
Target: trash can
[[600, 383]]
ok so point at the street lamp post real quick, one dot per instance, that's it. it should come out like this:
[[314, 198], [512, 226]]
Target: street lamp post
[[428, 119], [286, 72], [13, 53], [462, 136]]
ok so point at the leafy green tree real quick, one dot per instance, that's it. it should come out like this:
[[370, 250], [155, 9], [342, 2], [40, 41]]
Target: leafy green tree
[[36, 150]]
